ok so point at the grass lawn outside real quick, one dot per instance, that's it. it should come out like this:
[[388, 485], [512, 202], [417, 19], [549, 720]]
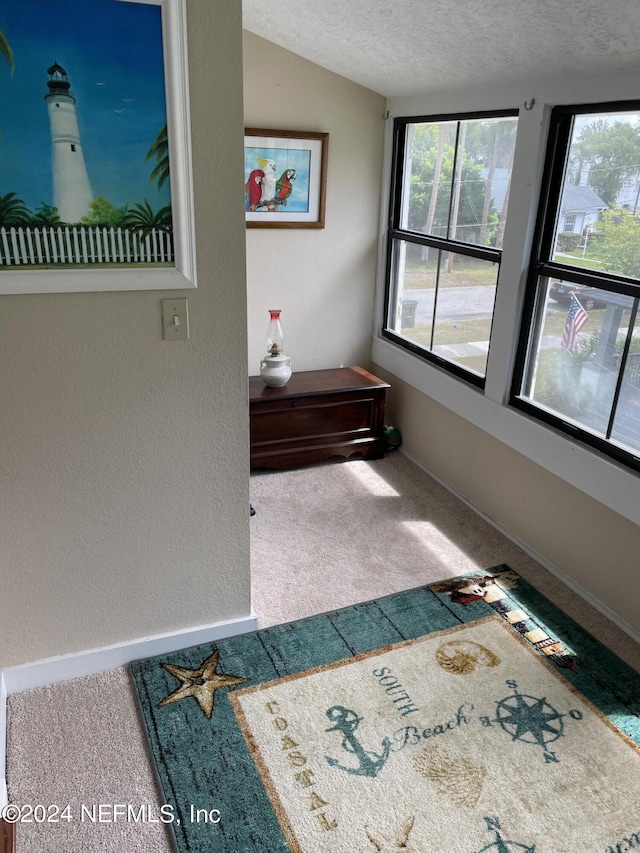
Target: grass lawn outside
[[467, 331], [450, 333], [576, 260], [473, 273], [467, 273], [478, 330], [476, 363]]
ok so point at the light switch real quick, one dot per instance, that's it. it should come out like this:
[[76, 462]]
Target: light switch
[[175, 319]]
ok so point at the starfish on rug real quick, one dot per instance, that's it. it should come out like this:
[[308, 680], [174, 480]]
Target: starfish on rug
[[201, 684]]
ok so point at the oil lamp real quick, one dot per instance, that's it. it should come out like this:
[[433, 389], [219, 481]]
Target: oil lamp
[[275, 367]]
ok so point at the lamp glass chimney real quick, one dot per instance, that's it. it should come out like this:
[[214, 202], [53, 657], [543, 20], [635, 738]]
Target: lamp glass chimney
[[275, 337]]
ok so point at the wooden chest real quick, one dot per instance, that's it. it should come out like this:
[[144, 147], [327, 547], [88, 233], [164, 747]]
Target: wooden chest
[[317, 415]]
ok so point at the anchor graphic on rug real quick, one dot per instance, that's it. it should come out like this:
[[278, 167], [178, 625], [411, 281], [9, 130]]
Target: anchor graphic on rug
[[346, 722]]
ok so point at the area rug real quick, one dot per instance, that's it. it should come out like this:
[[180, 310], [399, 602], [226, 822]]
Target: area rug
[[466, 716]]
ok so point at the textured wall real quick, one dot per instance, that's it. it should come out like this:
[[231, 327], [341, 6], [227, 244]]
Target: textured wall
[[124, 464], [323, 280]]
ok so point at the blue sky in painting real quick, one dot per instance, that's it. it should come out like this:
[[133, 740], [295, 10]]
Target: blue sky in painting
[[112, 53], [285, 158]]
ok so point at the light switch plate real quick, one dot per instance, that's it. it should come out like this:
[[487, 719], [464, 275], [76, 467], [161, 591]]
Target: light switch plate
[[175, 319]]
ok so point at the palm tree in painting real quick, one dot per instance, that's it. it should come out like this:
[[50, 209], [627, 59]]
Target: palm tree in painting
[[142, 219], [46, 216], [5, 50], [13, 211], [160, 150]]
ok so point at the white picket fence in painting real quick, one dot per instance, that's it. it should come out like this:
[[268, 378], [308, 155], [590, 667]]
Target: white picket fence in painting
[[82, 245]]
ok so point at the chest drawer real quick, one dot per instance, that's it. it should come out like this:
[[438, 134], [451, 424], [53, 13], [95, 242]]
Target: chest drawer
[[315, 416]]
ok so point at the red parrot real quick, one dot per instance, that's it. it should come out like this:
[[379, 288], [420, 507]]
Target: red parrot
[[253, 189]]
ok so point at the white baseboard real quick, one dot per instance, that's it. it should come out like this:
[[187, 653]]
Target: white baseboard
[[554, 570], [77, 665], [53, 670]]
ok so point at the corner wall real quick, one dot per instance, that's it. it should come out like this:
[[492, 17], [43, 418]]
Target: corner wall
[[124, 466], [323, 280], [594, 546]]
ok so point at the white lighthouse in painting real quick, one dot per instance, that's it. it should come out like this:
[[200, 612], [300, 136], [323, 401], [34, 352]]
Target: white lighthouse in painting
[[71, 189]]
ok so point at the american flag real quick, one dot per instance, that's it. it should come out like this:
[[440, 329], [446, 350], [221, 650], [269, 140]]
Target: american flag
[[576, 318]]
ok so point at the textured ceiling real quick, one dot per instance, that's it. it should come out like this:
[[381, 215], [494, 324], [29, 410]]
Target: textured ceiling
[[403, 47]]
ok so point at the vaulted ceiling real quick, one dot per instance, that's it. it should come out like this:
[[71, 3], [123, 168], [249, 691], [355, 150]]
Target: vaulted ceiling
[[403, 47]]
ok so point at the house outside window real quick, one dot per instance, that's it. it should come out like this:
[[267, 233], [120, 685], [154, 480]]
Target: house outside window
[[449, 202], [578, 366]]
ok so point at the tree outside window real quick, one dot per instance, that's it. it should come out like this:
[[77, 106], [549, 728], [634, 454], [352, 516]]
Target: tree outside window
[[590, 390], [452, 178]]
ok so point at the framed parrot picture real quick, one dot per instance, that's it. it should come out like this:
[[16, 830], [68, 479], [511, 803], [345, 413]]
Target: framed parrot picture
[[285, 174]]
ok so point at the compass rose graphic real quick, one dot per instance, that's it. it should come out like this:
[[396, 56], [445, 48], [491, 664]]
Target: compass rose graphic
[[529, 719], [500, 845]]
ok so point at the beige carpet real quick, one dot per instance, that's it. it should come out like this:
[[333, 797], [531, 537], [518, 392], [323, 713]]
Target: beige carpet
[[322, 537]]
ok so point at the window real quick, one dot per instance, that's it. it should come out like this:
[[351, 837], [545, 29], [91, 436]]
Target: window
[[578, 365], [449, 200], [570, 222]]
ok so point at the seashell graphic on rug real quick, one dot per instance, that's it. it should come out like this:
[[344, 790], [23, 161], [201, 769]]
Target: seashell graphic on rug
[[461, 657], [457, 778]]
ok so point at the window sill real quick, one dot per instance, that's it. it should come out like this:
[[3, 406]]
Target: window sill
[[585, 469]]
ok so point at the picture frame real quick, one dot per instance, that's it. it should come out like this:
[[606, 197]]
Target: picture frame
[[285, 178], [71, 259]]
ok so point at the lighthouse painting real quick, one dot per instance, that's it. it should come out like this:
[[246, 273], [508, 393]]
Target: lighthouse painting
[[72, 194], [85, 177]]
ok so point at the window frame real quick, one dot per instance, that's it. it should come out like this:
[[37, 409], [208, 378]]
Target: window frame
[[542, 266], [395, 234]]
